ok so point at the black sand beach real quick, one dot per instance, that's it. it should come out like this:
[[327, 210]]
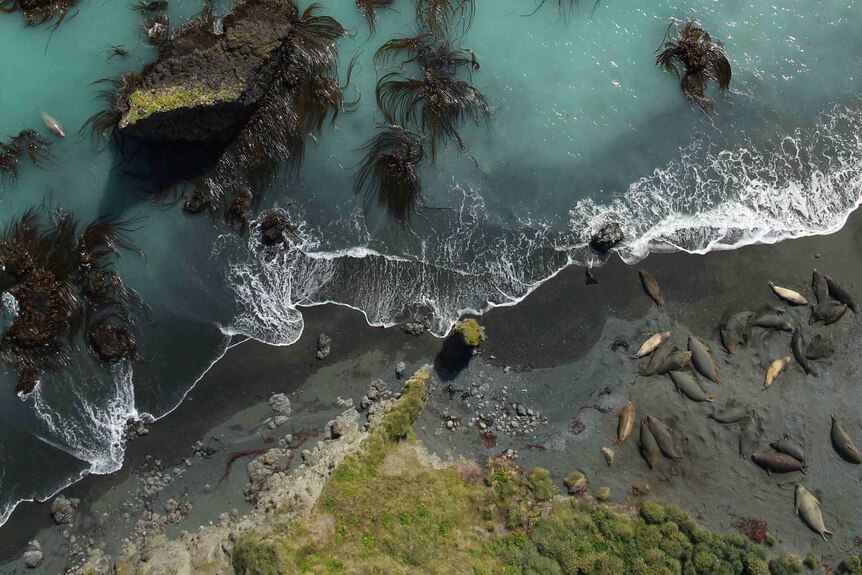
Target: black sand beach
[[553, 353]]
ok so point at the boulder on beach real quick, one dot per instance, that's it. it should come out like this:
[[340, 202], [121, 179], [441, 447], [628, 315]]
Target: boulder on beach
[[63, 510], [33, 555], [280, 404]]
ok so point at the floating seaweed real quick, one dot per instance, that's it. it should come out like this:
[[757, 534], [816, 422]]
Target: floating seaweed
[[437, 103], [116, 51], [565, 8], [692, 55], [38, 12], [62, 280], [368, 9], [149, 6], [439, 16], [389, 173], [29, 143]]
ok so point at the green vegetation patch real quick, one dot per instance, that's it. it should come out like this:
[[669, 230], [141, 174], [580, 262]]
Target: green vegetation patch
[[471, 332], [145, 103], [385, 510]]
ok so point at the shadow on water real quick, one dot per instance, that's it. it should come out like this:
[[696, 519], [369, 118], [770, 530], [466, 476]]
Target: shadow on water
[[154, 171]]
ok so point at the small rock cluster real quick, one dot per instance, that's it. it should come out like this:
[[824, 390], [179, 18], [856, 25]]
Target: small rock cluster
[[377, 391], [261, 468], [414, 328], [136, 428], [153, 481], [324, 345], [280, 404]]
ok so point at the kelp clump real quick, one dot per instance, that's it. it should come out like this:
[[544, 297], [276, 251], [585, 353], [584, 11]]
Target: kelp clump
[[62, 280], [692, 55], [38, 12], [434, 101], [29, 143]]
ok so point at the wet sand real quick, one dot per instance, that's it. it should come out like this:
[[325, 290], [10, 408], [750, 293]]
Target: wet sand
[[557, 347]]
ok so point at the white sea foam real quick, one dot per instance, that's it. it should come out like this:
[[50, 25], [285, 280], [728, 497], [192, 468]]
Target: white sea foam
[[805, 184], [89, 423], [708, 199]]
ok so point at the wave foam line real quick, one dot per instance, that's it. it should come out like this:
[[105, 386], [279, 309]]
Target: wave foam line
[[806, 184]]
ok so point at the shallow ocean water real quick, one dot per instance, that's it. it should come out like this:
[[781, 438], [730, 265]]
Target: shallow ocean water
[[586, 130]]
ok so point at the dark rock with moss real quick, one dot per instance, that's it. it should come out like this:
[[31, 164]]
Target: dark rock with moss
[[206, 85]]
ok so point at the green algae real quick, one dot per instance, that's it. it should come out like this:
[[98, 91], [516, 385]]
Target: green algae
[[145, 103]]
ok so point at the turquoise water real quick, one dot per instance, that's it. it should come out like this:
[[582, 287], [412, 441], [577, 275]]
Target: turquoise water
[[586, 130]]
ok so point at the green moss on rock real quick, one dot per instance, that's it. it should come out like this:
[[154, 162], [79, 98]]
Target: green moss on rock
[[471, 332], [145, 103]]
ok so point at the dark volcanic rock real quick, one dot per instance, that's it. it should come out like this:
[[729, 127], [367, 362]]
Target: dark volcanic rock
[[608, 236], [111, 343], [205, 86]]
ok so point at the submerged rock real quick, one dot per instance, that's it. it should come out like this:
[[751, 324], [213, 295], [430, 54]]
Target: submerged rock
[[607, 238]]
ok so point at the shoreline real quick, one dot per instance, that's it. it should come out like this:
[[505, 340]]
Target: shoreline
[[543, 331]]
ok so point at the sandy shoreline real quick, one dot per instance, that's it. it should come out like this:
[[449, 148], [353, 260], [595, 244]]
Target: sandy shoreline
[[556, 346]]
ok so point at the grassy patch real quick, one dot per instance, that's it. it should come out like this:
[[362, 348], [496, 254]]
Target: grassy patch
[[385, 511]]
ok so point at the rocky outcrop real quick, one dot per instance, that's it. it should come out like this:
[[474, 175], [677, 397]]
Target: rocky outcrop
[[63, 510], [205, 85], [606, 238]]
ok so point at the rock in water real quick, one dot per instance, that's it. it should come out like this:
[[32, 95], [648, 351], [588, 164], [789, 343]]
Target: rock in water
[[280, 404], [33, 555], [207, 85], [63, 510], [607, 238], [324, 343]]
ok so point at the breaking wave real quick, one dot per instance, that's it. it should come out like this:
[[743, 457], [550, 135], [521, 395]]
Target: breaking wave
[[707, 199], [87, 417]]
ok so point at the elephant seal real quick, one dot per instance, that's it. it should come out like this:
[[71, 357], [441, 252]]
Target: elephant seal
[[843, 444], [652, 288], [819, 286], [657, 358], [702, 361], [626, 422], [774, 370], [788, 295], [677, 360], [797, 346], [687, 385], [808, 507], [839, 293], [784, 445], [827, 312], [663, 437], [777, 462], [651, 344], [649, 448]]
